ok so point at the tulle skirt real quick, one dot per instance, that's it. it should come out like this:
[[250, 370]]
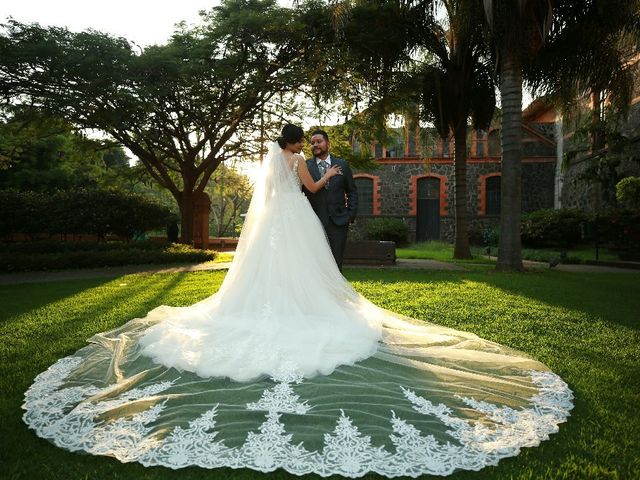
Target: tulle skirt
[[286, 366]]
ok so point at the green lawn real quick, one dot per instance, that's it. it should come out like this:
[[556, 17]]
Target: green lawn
[[574, 255], [441, 251], [223, 257], [444, 252], [584, 326]]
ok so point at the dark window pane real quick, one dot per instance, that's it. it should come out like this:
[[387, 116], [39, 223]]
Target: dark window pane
[[412, 144], [493, 195], [494, 144], [395, 147], [378, 150], [445, 147], [365, 195], [480, 135]]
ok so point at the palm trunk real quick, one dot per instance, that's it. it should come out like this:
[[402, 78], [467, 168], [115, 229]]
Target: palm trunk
[[510, 247], [461, 249]]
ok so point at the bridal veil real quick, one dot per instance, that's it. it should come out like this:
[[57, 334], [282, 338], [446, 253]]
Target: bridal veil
[[287, 366]]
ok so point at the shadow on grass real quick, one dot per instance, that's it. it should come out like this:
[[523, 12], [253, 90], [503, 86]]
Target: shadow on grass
[[565, 319], [38, 337], [19, 299], [611, 297]]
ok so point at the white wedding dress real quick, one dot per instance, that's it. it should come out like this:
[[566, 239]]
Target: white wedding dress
[[286, 366]]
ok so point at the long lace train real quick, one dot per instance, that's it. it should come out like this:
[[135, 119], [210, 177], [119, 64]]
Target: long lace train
[[286, 366]]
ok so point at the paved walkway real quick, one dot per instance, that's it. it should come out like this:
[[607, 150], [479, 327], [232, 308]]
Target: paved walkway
[[401, 263], [107, 272]]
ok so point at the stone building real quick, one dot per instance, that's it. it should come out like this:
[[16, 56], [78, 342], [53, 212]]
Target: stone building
[[416, 184], [587, 181], [415, 181]]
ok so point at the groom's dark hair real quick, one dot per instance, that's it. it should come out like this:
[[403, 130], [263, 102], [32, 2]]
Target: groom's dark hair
[[321, 132]]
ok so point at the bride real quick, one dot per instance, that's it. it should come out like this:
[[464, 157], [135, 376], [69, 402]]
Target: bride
[[287, 366]]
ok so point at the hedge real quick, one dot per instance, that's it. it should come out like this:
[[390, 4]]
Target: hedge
[[619, 229], [34, 256], [95, 212], [561, 228]]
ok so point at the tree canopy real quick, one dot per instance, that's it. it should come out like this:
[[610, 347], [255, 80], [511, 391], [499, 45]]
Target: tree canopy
[[182, 108], [43, 153]]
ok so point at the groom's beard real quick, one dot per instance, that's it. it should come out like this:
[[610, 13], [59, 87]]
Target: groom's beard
[[317, 152]]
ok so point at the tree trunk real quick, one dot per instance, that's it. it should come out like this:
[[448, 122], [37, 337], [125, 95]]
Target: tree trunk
[[461, 249], [510, 248], [186, 202], [187, 215]]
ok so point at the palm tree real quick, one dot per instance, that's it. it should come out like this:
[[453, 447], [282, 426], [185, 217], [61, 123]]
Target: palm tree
[[565, 48], [428, 53], [587, 54], [456, 86], [517, 31]]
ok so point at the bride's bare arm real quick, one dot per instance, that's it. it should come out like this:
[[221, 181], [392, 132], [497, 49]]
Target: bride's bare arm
[[307, 179]]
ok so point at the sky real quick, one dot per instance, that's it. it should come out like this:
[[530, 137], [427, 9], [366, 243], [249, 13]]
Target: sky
[[144, 22]]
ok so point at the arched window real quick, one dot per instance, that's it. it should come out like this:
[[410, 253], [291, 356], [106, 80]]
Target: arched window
[[378, 150], [445, 146], [493, 195], [480, 134], [365, 195], [494, 143]]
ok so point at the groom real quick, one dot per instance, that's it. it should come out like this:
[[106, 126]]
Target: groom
[[336, 204]]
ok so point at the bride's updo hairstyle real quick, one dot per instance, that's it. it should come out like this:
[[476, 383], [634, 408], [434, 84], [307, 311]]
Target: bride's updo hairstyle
[[290, 134]]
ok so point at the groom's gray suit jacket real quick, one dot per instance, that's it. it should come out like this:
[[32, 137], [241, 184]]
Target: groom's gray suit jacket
[[338, 203]]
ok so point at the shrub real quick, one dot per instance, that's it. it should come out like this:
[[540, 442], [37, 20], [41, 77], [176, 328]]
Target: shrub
[[484, 236], [550, 256], [391, 229], [491, 236], [553, 228], [628, 192], [55, 246], [621, 230], [35, 256], [97, 212]]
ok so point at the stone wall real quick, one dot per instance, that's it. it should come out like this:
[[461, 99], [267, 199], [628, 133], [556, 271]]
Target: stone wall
[[395, 188], [579, 193], [477, 224], [538, 183], [395, 184]]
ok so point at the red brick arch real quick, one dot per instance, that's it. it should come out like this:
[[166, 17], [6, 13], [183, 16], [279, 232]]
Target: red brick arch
[[444, 187], [376, 190]]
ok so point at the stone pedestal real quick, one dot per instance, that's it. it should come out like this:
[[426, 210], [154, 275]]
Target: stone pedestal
[[370, 252]]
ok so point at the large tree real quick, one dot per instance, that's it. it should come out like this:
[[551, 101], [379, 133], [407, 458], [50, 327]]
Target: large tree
[[182, 108], [230, 192], [590, 54]]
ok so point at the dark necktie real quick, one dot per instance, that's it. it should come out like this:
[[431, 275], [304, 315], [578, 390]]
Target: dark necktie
[[323, 166]]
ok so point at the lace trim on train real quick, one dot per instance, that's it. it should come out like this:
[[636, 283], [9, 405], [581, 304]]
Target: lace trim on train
[[57, 414]]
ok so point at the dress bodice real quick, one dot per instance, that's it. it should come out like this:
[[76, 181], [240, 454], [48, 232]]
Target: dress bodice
[[295, 170]]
